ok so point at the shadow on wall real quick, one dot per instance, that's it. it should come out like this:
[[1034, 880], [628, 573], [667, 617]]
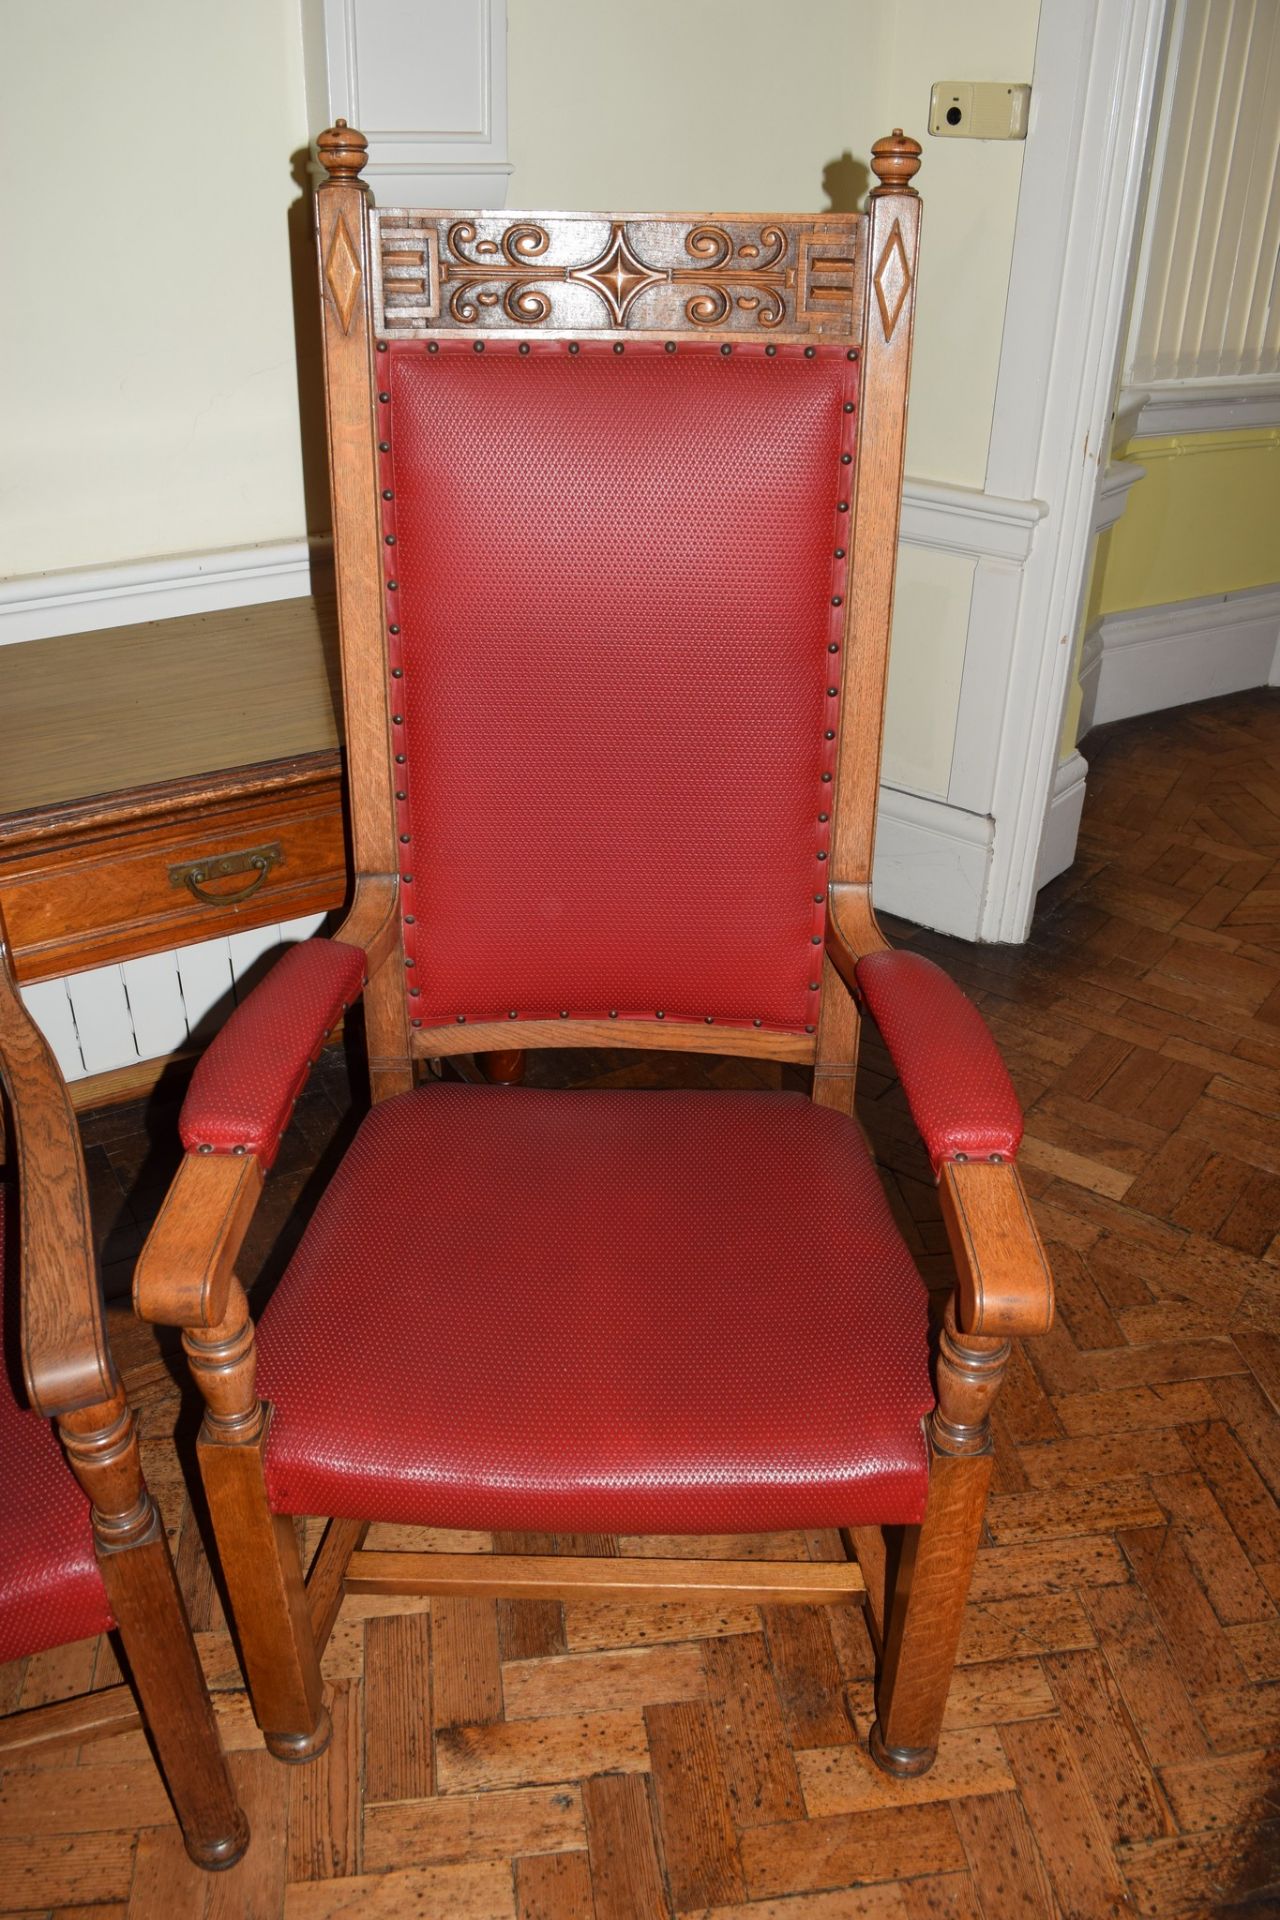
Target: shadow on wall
[[310, 347], [845, 182]]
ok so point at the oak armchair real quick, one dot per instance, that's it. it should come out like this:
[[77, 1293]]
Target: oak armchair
[[78, 1560], [615, 505]]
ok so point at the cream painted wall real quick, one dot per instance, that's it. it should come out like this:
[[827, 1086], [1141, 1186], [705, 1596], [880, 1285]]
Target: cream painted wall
[[147, 378], [740, 104]]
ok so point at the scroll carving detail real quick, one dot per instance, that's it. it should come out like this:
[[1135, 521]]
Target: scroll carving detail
[[653, 272]]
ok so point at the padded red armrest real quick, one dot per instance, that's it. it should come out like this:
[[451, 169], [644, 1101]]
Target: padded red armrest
[[957, 1086], [244, 1087]]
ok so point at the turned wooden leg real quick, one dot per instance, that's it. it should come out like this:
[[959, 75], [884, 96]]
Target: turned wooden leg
[[932, 1581], [257, 1549], [504, 1069], [137, 1571]]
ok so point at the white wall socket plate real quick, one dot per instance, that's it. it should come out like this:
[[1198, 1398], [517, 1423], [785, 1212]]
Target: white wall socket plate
[[979, 110]]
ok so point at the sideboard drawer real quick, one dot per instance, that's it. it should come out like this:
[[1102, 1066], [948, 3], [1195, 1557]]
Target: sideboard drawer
[[164, 866]]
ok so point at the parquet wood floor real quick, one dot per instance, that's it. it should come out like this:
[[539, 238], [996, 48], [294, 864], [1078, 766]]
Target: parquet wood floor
[[1109, 1748]]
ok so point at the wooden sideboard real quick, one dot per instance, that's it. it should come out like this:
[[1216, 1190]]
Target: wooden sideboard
[[169, 783]]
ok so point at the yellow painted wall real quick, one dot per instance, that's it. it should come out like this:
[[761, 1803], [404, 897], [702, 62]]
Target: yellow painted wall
[[147, 364], [1206, 519]]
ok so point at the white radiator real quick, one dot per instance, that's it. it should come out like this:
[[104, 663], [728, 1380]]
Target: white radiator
[[142, 1009]]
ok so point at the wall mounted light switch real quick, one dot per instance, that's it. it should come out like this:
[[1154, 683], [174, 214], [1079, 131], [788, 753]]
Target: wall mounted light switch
[[979, 110]]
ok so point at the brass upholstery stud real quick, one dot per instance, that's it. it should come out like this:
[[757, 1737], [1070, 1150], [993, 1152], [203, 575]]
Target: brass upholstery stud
[[832, 692], [524, 348], [408, 879], [404, 839], [836, 600], [829, 734], [824, 816], [393, 586], [411, 919], [384, 446], [809, 352], [669, 348], [564, 1013], [399, 759], [845, 458], [415, 1023], [808, 1029], [839, 553], [618, 347], [415, 993], [393, 629], [821, 854], [397, 719], [382, 346], [397, 673], [848, 406], [433, 346], [389, 539], [813, 986], [770, 351], [660, 1015], [613, 1013], [726, 348], [852, 354], [817, 899], [462, 1020], [573, 346], [477, 346], [387, 494], [757, 1023], [512, 1015], [842, 506], [815, 939], [710, 1019], [402, 796], [826, 776], [833, 646]]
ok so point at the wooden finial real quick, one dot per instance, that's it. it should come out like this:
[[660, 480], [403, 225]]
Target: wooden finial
[[894, 161], [343, 151]]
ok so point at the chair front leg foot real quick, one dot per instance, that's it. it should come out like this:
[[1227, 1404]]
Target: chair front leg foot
[[215, 1856], [295, 1749], [903, 1763]]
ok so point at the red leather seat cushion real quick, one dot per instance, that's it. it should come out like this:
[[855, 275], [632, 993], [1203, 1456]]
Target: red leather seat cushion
[[50, 1589], [600, 1311], [620, 587]]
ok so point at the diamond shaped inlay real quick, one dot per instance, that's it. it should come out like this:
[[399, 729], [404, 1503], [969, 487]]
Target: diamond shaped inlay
[[342, 273], [617, 276], [892, 280]]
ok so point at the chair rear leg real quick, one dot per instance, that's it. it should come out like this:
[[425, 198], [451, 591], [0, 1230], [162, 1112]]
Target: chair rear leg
[[137, 1571], [932, 1582], [257, 1548]]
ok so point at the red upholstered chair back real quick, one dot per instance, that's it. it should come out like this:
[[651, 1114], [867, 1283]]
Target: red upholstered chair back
[[616, 618], [615, 509]]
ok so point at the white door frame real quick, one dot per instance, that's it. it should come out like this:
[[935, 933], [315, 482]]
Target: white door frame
[[1084, 175]]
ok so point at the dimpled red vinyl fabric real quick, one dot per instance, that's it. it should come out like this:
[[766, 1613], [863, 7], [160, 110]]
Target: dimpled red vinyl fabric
[[600, 1311], [615, 609], [50, 1589], [957, 1086], [244, 1086]]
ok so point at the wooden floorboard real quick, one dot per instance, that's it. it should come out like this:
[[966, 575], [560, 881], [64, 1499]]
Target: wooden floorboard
[[1111, 1739]]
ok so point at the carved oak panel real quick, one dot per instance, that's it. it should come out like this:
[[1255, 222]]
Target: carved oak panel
[[769, 276]]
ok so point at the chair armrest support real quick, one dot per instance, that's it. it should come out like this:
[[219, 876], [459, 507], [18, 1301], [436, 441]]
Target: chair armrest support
[[66, 1362], [959, 1091], [184, 1272], [244, 1088], [1005, 1285]]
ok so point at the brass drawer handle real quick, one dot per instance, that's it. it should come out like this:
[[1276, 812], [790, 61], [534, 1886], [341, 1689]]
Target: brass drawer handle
[[195, 875]]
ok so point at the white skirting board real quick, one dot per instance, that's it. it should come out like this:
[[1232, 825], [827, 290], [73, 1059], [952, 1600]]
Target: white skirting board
[[88, 599], [1166, 656], [1062, 821], [136, 1010], [932, 862]]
